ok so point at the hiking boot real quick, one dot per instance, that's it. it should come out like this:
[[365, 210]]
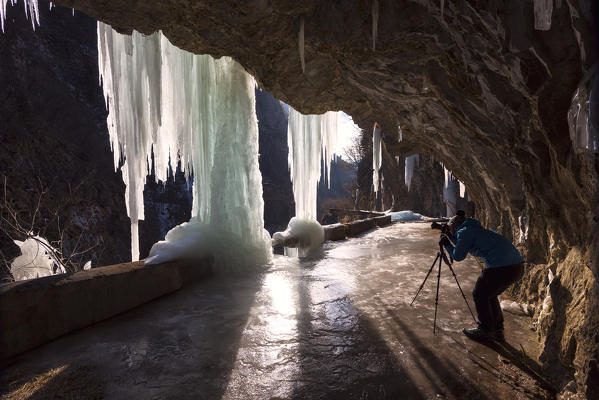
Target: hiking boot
[[480, 335]]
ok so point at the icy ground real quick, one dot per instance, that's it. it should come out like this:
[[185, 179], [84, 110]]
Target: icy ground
[[336, 327]]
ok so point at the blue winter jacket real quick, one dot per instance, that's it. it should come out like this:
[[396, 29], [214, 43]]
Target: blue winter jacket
[[494, 249]]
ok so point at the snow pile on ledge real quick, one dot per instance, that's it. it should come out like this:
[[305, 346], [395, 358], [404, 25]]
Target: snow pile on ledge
[[194, 240], [36, 260], [404, 216], [305, 234], [516, 308]]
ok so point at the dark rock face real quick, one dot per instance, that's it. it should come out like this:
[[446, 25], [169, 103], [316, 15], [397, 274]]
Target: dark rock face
[[53, 137], [277, 191], [425, 195], [477, 87], [166, 205]]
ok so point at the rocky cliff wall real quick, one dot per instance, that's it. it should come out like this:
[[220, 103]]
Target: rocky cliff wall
[[475, 85], [53, 138]]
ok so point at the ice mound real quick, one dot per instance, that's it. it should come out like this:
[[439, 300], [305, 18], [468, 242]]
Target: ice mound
[[36, 260], [404, 216], [516, 308], [195, 240], [305, 234]]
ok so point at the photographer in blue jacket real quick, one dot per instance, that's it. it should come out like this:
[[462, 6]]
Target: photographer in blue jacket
[[503, 267]]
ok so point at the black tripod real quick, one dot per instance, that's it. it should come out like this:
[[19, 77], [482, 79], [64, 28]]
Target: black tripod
[[442, 257]]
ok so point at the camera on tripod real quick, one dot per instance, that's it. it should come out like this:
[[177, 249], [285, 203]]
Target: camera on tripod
[[441, 227]]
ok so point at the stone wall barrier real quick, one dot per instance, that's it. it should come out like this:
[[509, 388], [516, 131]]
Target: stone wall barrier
[[382, 221], [356, 227], [36, 311], [334, 232]]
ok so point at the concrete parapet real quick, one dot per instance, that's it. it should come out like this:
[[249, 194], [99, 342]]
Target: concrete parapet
[[36, 311], [356, 227], [334, 232], [382, 221]]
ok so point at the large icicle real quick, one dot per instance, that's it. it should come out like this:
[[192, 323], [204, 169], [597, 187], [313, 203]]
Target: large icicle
[[300, 43], [31, 11], [410, 164], [377, 158], [543, 10], [375, 22], [197, 110]]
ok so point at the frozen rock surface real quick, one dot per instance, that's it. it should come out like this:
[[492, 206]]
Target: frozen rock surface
[[335, 327]]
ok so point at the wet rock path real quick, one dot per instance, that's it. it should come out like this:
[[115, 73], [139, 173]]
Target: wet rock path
[[335, 327]]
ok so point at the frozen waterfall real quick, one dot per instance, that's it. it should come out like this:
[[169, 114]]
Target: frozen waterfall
[[198, 110], [376, 157], [410, 163], [311, 140]]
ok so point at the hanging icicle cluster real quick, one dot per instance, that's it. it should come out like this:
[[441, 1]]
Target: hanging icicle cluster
[[31, 11], [311, 138], [174, 105]]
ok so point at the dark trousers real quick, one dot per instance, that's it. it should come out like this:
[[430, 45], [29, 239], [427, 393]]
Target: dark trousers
[[490, 284]]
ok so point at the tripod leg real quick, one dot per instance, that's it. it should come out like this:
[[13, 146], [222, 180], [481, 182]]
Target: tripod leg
[[437, 297], [461, 291], [425, 278]]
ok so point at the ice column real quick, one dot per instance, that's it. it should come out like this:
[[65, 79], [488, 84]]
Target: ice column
[[584, 131], [197, 110], [543, 10], [31, 11], [310, 137], [376, 156], [410, 163]]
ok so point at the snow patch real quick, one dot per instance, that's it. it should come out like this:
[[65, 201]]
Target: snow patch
[[404, 216], [517, 308], [37, 259]]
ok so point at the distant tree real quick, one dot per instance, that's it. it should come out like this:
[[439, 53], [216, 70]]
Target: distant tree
[[355, 151]]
